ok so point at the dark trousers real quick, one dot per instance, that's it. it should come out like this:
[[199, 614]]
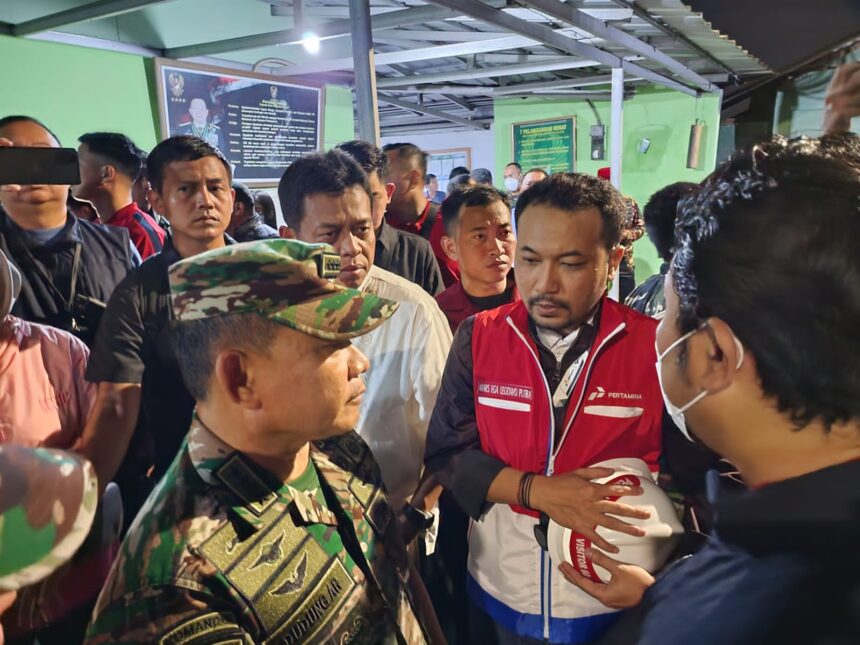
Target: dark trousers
[[484, 630], [444, 572]]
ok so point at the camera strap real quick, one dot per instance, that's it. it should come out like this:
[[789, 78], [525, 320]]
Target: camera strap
[[23, 253]]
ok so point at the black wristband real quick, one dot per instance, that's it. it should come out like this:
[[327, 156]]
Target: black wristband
[[421, 519], [524, 491]]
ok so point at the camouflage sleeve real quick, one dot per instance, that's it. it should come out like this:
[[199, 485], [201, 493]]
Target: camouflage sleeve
[[634, 228], [167, 616]]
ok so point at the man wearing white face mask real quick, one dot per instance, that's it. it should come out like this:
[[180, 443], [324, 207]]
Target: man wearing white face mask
[[764, 369], [513, 175]]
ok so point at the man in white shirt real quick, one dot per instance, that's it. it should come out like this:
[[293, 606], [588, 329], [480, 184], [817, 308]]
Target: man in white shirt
[[327, 198]]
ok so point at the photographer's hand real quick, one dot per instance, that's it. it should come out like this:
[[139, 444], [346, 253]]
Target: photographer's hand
[[8, 188]]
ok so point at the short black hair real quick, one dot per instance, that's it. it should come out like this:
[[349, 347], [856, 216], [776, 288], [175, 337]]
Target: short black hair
[[482, 176], [369, 157], [180, 148], [267, 205], [470, 196], [15, 118], [768, 244], [660, 213], [456, 171], [243, 195], [331, 173], [119, 150], [197, 344], [411, 152], [571, 191], [540, 170], [459, 182], [514, 163], [142, 174], [430, 177]]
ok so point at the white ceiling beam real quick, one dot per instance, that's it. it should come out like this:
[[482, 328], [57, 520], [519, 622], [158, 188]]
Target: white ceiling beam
[[442, 36], [383, 19], [458, 101], [413, 55], [553, 85], [580, 19], [439, 114], [553, 65], [91, 11], [550, 38], [573, 95]]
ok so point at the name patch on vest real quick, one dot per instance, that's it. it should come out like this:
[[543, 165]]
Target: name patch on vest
[[505, 396], [321, 602], [206, 625]]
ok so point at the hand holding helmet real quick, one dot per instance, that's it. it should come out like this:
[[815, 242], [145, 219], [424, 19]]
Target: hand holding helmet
[[582, 500], [648, 550]]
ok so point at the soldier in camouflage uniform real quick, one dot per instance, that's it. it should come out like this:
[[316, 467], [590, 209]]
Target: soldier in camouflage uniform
[[226, 550], [48, 500]]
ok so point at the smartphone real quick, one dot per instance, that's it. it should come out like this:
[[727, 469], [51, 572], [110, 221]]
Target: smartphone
[[39, 166]]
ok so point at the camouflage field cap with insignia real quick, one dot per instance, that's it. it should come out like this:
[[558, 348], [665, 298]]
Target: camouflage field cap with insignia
[[286, 281], [48, 500]]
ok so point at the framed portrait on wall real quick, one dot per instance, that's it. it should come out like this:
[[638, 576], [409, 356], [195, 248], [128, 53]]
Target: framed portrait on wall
[[261, 123]]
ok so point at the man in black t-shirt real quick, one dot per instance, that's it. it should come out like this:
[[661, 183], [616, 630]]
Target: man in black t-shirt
[[143, 409]]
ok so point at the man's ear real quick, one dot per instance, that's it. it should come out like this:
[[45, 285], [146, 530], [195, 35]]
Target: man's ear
[[286, 232], [726, 356], [156, 203], [615, 256], [416, 179], [232, 378], [389, 189], [450, 247], [108, 173]]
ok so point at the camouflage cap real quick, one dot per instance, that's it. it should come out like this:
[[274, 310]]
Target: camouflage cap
[[48, 500], [286, 281]]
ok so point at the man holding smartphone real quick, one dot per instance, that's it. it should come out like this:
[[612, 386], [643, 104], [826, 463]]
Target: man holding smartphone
[[69, 267]]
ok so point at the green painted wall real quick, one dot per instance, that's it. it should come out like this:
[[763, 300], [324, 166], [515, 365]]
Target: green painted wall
[[77, 89], [339, 123], [663, 116]]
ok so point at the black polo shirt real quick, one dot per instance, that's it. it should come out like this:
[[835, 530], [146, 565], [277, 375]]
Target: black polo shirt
[[409, 256], [134, 345]]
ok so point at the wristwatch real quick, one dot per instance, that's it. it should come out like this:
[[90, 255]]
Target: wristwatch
[[421, 519]]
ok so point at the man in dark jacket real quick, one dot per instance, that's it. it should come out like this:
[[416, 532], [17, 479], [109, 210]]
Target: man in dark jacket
[[246, 224], [659, 215], [69, 267], [765, 369]]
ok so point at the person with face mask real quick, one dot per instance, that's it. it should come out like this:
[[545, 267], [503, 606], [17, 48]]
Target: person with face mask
[[763, 370], [513, 175], [533, 393]]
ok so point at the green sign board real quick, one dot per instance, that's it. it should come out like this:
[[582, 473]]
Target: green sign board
[[546, 144]]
